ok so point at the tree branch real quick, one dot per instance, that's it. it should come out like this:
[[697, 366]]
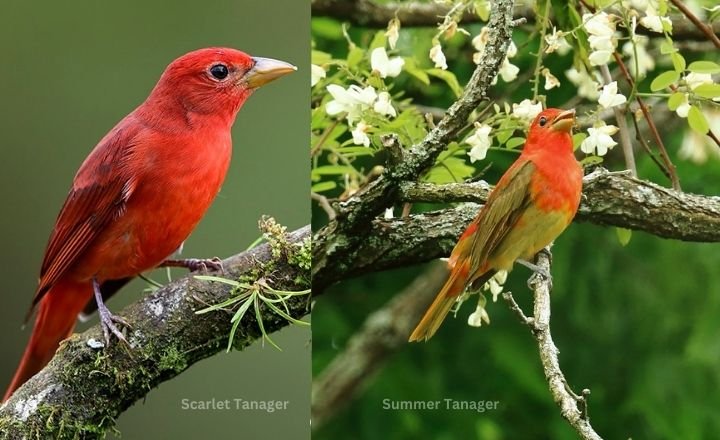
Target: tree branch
[[370, 14], [383, 333], [81, 392], [539, 325]]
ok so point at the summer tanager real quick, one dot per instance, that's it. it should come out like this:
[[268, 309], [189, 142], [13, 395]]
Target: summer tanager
[[141, 192], [532, 203]]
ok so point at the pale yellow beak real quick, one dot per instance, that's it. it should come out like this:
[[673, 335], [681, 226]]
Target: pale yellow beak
[[266, 70], [564, 121]]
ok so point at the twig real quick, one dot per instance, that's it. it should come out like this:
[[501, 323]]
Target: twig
[[572, 407], [653, 129], [382, 334], [646, 147], [623, 127], [324, 204], [705, 29]]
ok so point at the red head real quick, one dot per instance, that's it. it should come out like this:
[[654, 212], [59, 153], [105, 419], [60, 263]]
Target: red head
[[212, 81], [551, 129]]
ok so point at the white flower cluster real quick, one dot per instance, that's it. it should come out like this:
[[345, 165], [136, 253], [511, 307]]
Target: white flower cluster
[[601, 29], [599, 139], [587, 87], [495, 286], [354, 101], [479, 142]]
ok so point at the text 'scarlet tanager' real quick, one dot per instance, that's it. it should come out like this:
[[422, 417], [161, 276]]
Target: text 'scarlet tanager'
[[532, 203], [141, 192]]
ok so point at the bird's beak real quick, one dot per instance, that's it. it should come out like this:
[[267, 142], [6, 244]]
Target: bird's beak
[[266, 70], [564, 121]]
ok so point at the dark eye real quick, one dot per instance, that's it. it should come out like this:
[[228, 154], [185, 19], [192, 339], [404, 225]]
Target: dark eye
[[542, 121], [219, 71]]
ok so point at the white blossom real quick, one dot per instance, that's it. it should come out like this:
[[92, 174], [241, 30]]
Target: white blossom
[[601, 29], [599, 140], [316, 74], [609, 97], [683, 109], [480, 142], [389, 213], [393, 32], [359, 134], [508, 71], [586, 86], [384, 65], [438, 57], [526, 110], [384, 106], [479, 316], [694, 79], [551, 80], [353, 100], [654, 22], [556, 42], [479, 43]]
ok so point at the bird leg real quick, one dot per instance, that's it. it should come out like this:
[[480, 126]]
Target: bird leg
[[107, 319], [195, 264]]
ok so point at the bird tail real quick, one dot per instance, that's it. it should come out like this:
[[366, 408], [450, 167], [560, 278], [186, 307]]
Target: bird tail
[[55, 321], [438, 310]]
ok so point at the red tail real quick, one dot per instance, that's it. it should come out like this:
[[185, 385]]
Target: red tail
[[55, 321]]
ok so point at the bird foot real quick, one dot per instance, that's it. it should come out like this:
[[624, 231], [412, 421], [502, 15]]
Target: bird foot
[[108, 320], [196, 264], [537, 272]]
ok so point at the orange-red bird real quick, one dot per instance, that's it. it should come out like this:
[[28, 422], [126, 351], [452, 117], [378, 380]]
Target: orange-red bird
[[532, 203], [141, 192]]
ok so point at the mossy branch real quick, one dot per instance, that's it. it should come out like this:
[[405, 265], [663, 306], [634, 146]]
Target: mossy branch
[[86, 387]]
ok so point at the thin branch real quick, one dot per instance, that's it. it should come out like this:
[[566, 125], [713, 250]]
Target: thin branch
[[86, 387], [572, 407], [324, 204], [708, 31], [382, 334]]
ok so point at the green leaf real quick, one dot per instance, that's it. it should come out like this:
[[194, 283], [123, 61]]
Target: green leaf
[[378, 40], [514, 142], [697, 120], [482, 9], [704, 67], [666, 47], [578, 139], [323, 186], [319, 57], [449, 78], [707, 90], [411, 68], [678, 62], [331, 170], [505, 131], [623, 235], [664, 79], [355, 56], [675, 100]]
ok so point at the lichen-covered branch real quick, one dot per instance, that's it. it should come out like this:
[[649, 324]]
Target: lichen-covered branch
[[85, 387], [572, 407], [368, 13], [382, 334]]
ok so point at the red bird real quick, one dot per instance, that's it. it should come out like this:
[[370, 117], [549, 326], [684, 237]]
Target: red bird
[[532, 203], [141, 192]]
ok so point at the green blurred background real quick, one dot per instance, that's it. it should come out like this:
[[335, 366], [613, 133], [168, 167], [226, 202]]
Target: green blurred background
[[70, 71], [638, 325]]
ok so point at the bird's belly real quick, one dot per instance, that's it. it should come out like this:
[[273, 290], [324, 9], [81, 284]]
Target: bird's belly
[[533, 231]]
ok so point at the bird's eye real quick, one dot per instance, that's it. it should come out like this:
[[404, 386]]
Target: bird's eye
[[219, 71], [542, 121]]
